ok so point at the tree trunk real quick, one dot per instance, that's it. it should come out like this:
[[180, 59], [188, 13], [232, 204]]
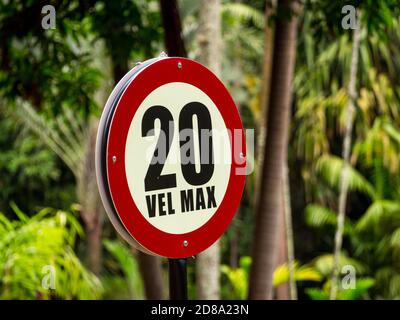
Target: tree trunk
[[288, 290], [234, 241], [289, 231], [94, 230], [172, 28], [92, 210], [119, 69], [264, 96], [265, 241], [208, 262], [282, 291], [346, 152], [150, 268]]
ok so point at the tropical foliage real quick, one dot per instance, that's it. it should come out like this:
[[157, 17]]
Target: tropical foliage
[[53, 84], [37, 259]]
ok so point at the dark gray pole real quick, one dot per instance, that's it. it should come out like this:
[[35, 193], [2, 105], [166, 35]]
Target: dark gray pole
[[177, 279]]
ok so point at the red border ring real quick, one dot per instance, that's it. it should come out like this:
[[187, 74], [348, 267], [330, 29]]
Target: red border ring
[[161, 243]]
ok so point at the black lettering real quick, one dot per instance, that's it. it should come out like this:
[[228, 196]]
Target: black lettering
[[211, 197], [161, 204], [187, 200], [171, 210], [200, 203], [154, 180], [205, 142], [151, 205]]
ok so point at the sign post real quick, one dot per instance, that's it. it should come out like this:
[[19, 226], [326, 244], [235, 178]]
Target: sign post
[[177, 279], [170, 161]]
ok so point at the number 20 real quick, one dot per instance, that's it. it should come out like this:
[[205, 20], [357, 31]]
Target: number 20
[[154, 180]]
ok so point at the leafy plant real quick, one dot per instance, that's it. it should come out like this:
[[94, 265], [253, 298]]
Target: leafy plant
[[32, 249], [362, 286], [301, 273], [238, 277], [129, 267]]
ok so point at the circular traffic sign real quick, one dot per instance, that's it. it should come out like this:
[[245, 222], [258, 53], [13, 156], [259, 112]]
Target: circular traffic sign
[[171, 146]]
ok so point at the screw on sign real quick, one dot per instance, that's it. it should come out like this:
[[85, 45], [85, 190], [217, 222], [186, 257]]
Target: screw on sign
[[170, 157]]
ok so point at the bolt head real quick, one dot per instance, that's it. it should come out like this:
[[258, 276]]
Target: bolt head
[[179, 65], [114, 159], [185, 243]]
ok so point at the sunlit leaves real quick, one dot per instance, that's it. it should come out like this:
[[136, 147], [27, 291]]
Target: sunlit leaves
[[301, 273], [324, 264], [30, 247]]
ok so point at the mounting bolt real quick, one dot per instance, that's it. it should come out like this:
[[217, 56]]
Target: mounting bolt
[[185, 243], [179, 65], [114, 159], [163, 54]]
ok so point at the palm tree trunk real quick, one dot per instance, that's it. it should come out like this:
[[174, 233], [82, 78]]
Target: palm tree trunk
[[150, 268], [264, 96], [289, 231], [208, 262], [89, 198], [288, 290], [94, 230], [282, 292], [265, 241], [346, 153]]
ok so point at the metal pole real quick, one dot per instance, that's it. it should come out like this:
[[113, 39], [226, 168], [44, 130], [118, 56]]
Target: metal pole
[[177, 279]]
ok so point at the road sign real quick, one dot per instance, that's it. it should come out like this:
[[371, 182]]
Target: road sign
[[169, 155]]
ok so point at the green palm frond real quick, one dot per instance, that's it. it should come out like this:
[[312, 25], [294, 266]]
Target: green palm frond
[[330, 168], [388, 282], [377, 212], [319, 216], [244, 12], [393, 132], [301, 273], [65, 135], [395, 238]]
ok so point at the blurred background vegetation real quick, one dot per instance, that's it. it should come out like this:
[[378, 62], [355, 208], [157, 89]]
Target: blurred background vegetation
[[54, 83]]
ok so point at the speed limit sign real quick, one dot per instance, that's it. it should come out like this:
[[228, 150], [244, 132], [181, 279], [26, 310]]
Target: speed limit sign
[[170, 156]]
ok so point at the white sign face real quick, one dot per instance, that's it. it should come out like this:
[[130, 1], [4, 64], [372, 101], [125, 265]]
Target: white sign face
[[182, 179]]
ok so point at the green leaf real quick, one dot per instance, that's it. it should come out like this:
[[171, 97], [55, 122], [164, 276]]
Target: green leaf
[[317, 294], [319, 216], [301, 273], [330, 168]]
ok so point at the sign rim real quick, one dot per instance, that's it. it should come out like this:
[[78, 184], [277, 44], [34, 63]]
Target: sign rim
[[101, 148]]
